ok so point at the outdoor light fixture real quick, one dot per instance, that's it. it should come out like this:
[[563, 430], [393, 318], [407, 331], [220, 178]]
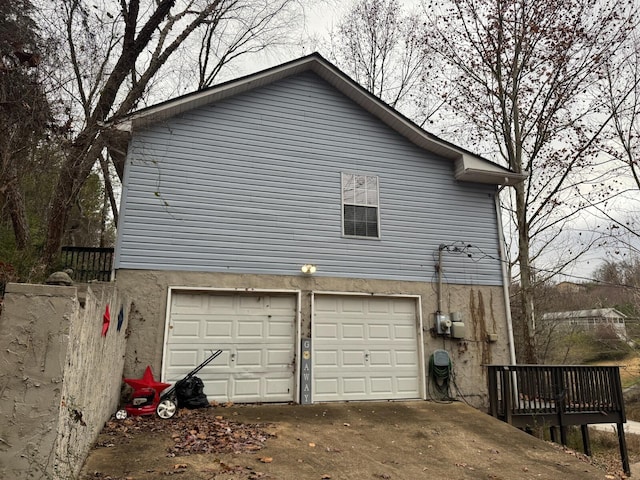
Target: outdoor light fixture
[[308, 269]]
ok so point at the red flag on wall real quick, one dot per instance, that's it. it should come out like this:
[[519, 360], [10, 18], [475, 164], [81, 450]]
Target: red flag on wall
[[106, 319]]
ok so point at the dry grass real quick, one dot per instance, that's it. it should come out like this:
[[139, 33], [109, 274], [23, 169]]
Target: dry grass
[[605, 448]]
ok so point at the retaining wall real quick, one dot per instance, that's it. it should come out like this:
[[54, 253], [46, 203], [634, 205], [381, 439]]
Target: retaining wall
[[59, 377]]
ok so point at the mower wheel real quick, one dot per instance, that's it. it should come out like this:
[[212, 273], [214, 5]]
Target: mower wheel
[[166, 408], [121, 414]]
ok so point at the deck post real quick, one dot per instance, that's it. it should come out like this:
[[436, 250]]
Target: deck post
[[507, 397], [623, 449], [586, 440], [493, 392], [560, 393]]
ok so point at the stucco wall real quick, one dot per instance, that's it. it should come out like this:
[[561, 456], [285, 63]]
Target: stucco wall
[[60, 378], [482, 309]]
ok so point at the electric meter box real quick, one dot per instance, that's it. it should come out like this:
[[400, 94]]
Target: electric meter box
[[443, 323]]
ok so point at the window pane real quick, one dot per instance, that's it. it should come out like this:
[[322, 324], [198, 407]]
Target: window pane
[[347, 188], [372, 190], [372, 214], [349, 228], [372, 229], [349, 213], [361, 195], [360, 221]]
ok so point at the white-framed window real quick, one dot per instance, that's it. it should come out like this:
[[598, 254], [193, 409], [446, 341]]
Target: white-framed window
[[360, 207]]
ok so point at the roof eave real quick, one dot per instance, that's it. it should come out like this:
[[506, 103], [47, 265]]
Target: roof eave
[[494, 178]]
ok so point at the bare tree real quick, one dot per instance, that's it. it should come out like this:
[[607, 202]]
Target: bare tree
[[375, 43], [24, 109], [118, 51], [525, 74], [621, 91]]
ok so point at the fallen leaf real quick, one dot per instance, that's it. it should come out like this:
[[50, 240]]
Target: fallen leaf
[[178, 466], [311, 444], [266, 459]]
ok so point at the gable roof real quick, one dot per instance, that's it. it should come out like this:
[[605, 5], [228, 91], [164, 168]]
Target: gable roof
[[468, 166]]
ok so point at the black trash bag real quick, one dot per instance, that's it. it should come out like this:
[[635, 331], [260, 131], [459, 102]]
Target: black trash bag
[[190, 393]]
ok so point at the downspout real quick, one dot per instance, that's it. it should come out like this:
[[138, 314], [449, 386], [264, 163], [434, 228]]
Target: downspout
[[505, 280]]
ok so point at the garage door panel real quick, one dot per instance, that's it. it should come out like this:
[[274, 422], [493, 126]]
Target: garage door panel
[[406, 385], [365, 348], [244, 387], [281, 303], [187, 303], [249, 358], [246, 329], [325, 358], [380, 358], [351, 386], [379, 306], [279, 357], [327, 331], [221, 331], [353, 358], [352, 330], [280, 329], [351, 304], [379, 332], [184, 358], [325, 386], [401, 332], [187, 329], [382, 385], [256, 339], [401, 306], [278, 386]]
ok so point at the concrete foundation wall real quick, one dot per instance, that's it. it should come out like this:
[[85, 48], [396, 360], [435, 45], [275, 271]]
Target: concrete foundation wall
[[482, 309], [60, 378]]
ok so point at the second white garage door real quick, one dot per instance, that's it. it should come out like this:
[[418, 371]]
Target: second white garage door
[[365, 348], [256, 333]]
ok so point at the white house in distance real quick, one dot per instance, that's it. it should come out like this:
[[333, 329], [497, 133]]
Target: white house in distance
[[594, 319], [293, 206]]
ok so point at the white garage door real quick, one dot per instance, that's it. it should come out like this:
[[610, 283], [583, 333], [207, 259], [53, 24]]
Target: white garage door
[[256, 333], [365, 348]]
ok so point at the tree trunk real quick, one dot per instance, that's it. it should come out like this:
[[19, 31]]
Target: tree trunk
[[15, 204], [529, 354], [75, 170]]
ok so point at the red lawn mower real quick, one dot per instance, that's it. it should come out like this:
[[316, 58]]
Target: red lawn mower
[[148, 397]]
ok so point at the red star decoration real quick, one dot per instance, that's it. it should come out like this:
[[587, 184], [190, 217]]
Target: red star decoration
[[147, 381]]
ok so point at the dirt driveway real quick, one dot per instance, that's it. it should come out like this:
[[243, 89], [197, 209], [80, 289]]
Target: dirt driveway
[[401, 440]]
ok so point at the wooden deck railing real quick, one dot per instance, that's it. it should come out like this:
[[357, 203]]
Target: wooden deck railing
[[88, 263], [558, 396]]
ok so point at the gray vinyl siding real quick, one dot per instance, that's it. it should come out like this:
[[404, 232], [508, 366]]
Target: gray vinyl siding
[[252, 185]]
